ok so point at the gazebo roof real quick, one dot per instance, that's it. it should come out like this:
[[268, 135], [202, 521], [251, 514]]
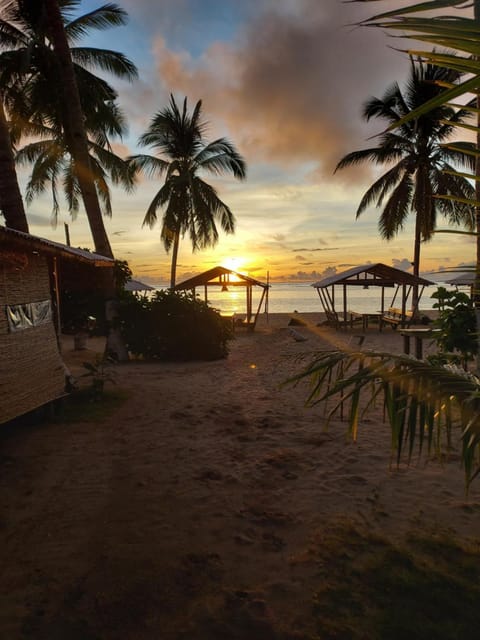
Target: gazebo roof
[[463, 279], [136, 285], [376, 274], [220, 274]]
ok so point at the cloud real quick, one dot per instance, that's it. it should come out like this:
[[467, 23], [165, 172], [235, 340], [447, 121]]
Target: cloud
[[291, 84], [404, 264], [318, 249]]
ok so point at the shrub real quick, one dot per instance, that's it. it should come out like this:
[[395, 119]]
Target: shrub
[[173, 326], [457, 340]]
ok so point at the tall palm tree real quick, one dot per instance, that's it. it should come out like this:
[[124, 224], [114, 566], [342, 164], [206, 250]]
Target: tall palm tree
[[191, 205], [422, 168], [36, 38], [11, 202]]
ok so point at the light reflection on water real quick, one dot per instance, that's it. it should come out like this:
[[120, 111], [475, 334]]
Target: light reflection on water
[[302, 297]]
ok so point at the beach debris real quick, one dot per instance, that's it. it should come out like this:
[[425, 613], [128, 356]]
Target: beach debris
[[297, 336]]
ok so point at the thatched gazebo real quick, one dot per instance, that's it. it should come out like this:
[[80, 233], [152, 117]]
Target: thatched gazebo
[[365, 276], [223, 278]]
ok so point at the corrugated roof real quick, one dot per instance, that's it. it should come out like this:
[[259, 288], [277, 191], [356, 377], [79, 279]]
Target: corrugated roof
[[463, 279], [206, 278], [377, 274], [136, 285], [12, 237]]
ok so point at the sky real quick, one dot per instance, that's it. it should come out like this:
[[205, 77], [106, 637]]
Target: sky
[[285, 81]]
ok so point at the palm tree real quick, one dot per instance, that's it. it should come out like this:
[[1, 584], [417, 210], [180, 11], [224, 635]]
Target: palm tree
[[11, 203], [36, 36], [53, 165], [422, 167], [420, 398], [191, 205]]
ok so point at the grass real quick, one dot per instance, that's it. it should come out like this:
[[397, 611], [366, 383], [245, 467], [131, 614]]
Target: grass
[[426, 587]]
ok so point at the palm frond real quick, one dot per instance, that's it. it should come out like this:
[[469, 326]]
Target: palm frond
[[419, 398], [107, 16], [221, 156], [113, 62], [150, 165]]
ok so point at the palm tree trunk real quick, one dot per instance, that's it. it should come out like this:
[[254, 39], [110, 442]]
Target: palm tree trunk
[[173, 268], [476, 287], [11, 203], [75, 126], [416, 262], [78, 148]]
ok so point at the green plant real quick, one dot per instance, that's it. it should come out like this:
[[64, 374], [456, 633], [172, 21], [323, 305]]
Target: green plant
[[424, 402], [121, 274], [100, 372], [173, 326], [458, 331]]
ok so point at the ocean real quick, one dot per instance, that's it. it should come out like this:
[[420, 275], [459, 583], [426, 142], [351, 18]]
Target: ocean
[[302, 297]]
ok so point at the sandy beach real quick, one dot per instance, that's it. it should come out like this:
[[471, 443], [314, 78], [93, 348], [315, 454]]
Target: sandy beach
[[199, 507]]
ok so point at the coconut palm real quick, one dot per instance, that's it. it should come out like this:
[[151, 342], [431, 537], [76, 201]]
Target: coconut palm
[[38, 38], [191, 205], [421, 167], [11, 203], [53, 166], [423, 401]]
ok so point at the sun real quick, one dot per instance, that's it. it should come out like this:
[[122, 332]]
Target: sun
[[235, 264]]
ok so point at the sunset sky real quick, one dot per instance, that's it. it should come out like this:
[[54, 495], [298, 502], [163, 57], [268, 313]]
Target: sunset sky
[[285, 80]]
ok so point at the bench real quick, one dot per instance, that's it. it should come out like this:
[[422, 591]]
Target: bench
[[395, 317]]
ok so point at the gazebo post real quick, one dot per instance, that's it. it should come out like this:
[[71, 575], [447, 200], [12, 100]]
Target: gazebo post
[[345, 304], [249, 302]]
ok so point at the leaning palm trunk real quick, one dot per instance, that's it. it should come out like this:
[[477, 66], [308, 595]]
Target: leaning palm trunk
[[77, 137], [11, 203], [476, 288]]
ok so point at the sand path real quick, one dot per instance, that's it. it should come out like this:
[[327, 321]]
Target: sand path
[[193, 511]]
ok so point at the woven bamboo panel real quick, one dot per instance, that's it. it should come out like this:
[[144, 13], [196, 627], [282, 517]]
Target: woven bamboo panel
[[31, 371], [31, 368]]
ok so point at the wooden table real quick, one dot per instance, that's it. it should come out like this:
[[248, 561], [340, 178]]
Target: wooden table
[[364, 317], [419, 335]]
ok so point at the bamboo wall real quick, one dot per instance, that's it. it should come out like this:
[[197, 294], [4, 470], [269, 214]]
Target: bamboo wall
[[31, 369]]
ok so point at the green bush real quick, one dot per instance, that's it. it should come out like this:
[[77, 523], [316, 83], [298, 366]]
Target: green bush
[[173, 326], [457, 340]]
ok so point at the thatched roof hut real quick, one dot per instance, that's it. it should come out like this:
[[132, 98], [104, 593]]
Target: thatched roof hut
[[366, 276], [32, 372], [223, 278]]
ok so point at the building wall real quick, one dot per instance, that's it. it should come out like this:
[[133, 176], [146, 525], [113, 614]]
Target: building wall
[[31, 369]]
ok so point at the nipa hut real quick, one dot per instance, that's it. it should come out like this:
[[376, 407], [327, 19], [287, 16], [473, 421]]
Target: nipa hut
[[32, 372], [366, 276], [223, 278]]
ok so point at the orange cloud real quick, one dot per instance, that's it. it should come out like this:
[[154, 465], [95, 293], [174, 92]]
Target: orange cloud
[[291, 87]]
